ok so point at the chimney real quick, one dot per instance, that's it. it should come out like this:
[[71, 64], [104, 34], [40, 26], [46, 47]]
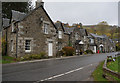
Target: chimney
[[39, 3]]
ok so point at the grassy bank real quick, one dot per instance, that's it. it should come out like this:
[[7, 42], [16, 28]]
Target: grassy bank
[[114, 65], [8, 59], [98, 73]]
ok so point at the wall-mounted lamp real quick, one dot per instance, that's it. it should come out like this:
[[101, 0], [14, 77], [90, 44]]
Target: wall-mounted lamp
[[41, 19]]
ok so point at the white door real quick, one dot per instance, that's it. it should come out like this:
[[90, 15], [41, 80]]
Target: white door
[[94, 49], [50, 49]]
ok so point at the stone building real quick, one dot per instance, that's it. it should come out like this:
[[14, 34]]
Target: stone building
[[102, 43], [92, 45], [62, 36], [31, 33], [79, 39]]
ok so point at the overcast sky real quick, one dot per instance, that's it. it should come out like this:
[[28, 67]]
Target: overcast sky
[[87, 13]]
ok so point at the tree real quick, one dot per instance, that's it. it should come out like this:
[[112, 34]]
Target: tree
[[102, 27], [18, 6]]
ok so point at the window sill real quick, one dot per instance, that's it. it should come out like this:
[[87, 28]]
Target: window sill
[[27, 51], [46, 33]]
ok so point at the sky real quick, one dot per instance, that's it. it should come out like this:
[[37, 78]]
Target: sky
[[85, 12]]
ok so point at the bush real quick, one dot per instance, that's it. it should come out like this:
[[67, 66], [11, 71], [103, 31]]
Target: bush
[[89, 51], [68, 51], [59, 53], [85, 52], [34, 56], [118, 47]]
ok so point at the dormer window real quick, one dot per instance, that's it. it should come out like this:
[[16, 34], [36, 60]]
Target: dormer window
[[60, 34]]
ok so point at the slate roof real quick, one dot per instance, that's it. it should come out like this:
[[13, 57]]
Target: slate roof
[[17, 16], [6, 22], [58, 25], [71, 29], [68, 30], [97, 36], [83, 32], [111, 40]]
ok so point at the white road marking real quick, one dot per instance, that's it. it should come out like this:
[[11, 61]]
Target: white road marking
[[59, 75]]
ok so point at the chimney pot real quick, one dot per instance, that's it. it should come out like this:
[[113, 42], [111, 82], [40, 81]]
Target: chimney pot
[[39, 3]]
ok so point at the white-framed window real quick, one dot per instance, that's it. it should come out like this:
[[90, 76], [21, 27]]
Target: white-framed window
[[76, 36], [85, 38], [92, 41], [60, 34], [46, 25], [27, 45], [12, 47]]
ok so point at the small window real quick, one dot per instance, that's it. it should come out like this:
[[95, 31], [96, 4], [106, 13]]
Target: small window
[[76, 36], [46, 28], [12, 27], [59, 46], [92, 41], [27, 45], [60, 34], [12, 47]]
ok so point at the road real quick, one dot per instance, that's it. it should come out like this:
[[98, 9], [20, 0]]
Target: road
[[77, 68]]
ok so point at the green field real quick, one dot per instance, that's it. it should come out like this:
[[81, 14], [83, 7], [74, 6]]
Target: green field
[[114, 65]]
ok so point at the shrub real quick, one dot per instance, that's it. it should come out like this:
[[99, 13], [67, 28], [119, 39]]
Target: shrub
[[68, 51], [34, 56], [42, 55], [85, 52], [89, 51], [59, 53]]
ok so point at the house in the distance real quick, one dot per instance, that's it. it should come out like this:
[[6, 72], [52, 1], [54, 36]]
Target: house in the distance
[[31, 33], [103, 43]]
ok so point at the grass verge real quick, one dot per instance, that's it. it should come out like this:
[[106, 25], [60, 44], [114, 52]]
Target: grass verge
[[98, 73], [8, 59], [114, 65]]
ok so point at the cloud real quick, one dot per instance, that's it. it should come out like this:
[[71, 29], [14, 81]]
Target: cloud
[[84, 12]]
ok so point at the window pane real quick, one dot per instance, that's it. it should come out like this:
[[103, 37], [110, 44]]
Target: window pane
[[27, 45], [46, 28], [11, 45]]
